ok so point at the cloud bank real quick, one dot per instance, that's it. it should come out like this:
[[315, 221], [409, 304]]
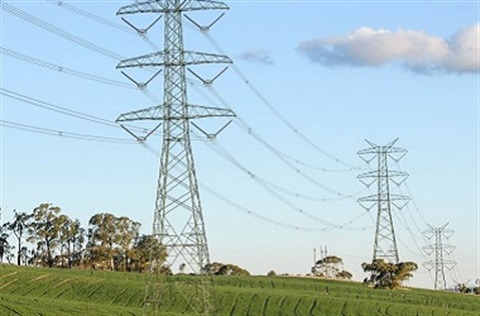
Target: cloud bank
[[417, 51], [257, 56]]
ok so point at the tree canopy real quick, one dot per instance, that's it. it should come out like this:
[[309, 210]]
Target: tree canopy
[[46, 237], [331, 267], [385, 275], [218, 268]]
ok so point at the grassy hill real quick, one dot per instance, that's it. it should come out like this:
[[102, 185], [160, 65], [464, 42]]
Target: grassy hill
[[42, 291]]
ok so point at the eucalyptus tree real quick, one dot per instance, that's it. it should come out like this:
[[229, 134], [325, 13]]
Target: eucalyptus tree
[[101, 244], [331, 267], [385, 275], [19, 226], [126, 233], [144, 247], [45, 231], [111, 241], [4, 245], [71, 239]]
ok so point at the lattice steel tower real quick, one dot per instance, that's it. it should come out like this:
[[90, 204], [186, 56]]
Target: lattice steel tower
[[385, 245], [178, 221], [439, 248]]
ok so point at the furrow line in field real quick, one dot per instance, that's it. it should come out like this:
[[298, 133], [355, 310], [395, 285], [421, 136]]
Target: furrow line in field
[[297, 305], [265, 304], [94, 291], [344, 309], [129, 299], [28, 291], [387, 310], [312, 307], [280, 306], [7, 284], [234, 306], [60, 294], [8, 274], [61, 283], [40, 277], [9, 309], [250, 303], [123, 291]]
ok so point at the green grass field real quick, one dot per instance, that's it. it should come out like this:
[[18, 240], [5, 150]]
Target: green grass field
[[42, 291]]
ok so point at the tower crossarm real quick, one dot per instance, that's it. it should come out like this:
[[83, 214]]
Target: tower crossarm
[[157, 113], [188, 58], [158, 6], [376, 198], [368, 202], [199, 111], [376, 174], [382, 149]]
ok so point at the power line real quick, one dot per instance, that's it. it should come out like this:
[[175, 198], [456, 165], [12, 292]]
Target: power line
[[249, 211], [84, 13], [270, 106], [403, 222], [60, 133], [55, 108], [21, 14], [274, 150], [412, 198], [283, 157], [58, 31], [143, 34], [224, 153], [61, 69], [62, 110], [251, 132], [91, 16]]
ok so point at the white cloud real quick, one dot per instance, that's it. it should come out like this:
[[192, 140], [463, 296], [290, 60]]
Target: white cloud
[[415, 50], [257, 56]]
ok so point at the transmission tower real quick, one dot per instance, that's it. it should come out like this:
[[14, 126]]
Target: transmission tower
[[385, 245], [178, 220], [439, 248]]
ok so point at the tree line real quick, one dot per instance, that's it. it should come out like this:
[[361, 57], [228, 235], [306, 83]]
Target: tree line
[[46, 237]]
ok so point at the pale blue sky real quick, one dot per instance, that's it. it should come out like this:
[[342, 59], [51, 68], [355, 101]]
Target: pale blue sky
[[435, 116]]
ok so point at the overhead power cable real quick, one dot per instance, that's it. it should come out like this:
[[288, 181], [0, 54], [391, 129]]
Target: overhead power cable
[[404, 223], [251, 132], [221, 151], [244, 126], [61, 69], [60, 133], [277, 113], [7, 7], [48, 106], [415, 207], [246, 210], [101, 20], [224, 153], [91, 16], [60, 32], [62, 110]]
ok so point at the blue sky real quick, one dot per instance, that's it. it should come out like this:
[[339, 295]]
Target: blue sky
[[340, 72]]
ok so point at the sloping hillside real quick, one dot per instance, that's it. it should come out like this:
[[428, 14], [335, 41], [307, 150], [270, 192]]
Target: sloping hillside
[[41, 291]]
